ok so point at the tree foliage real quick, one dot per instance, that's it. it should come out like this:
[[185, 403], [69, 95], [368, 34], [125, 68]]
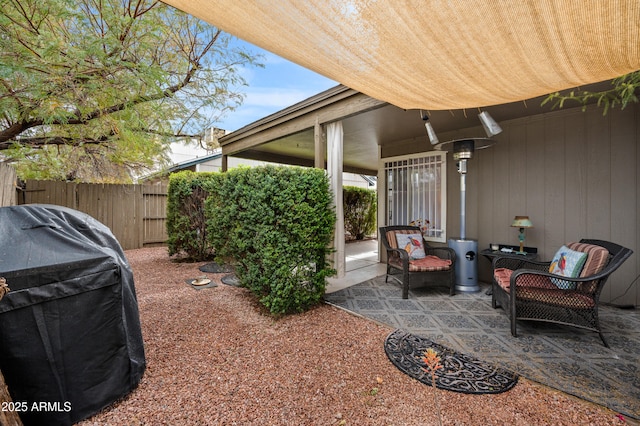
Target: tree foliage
[[360, 207], [95, 88], [624, 90]]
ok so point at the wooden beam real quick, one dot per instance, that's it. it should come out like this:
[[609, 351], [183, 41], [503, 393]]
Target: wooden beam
[[254, 154], [224, 163]]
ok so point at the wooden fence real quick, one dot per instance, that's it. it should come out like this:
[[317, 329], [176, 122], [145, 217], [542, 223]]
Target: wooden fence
[[7, 185], [136, 214]]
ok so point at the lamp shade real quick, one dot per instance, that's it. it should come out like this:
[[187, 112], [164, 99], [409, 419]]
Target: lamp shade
[[433, 138], [522, 222], [490, 126]]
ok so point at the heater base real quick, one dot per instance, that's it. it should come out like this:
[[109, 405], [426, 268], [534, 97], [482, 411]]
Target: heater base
[[466, 264]]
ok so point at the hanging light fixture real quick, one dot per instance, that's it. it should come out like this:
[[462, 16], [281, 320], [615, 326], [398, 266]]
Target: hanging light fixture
[[433, 138], [491, 128]]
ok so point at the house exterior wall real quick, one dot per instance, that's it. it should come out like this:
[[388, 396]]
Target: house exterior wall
[[574, 173], [187, 150], [215, 165]]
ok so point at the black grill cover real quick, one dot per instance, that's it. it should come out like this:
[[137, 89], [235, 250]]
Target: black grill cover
[[70, 338]]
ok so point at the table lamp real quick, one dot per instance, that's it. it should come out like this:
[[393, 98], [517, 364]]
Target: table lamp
[[521, 222]]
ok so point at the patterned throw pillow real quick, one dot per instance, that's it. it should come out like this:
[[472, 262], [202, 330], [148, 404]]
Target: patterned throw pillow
[[412, 243], [568, 263]]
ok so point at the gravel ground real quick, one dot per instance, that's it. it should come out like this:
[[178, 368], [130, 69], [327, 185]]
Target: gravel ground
[[215, 357]]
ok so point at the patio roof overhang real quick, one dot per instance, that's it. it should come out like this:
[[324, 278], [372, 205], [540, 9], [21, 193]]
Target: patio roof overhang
[[369, 126], [438, 55]]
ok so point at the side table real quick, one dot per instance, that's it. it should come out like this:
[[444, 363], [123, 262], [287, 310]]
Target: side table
[[529, 255]]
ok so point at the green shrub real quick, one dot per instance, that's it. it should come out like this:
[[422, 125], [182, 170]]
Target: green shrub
[[276, 223], [360, 207], [186, 221]]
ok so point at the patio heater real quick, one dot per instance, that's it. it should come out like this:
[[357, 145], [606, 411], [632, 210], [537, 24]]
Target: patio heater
[[463, 149]]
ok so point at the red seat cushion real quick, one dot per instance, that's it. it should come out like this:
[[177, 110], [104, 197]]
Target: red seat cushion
[[426, 264], [430, 263], [503, 278], [543, 290]]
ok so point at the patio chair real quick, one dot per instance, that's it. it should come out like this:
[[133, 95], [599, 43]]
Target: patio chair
[[432, 265], [541, 295]]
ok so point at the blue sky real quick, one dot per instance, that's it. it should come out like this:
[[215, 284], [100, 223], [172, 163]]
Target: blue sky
[[278, 85]]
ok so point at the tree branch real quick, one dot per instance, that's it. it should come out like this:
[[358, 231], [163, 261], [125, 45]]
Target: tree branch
[[41, 142], [17, 128]]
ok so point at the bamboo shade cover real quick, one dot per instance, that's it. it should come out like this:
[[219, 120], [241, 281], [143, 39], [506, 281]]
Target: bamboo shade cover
[[441, 54]]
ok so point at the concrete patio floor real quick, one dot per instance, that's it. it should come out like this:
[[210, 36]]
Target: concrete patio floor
[[565, 358], [361, 264]]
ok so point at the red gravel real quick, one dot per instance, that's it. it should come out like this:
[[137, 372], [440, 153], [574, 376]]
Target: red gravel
[[215, 357]]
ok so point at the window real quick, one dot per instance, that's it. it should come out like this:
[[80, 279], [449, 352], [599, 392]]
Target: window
[[416, 192]]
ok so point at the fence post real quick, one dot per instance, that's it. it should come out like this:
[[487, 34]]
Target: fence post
[[8, 187]]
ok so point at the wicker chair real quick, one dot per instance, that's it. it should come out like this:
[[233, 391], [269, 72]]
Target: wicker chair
[[415, 276], [538, 298]]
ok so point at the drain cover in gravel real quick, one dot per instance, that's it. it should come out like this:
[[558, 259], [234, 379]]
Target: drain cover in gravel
[[199, 283]]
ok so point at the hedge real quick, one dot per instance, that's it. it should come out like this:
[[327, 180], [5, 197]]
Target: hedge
[[186, 221], [276, 225], [360, 207]]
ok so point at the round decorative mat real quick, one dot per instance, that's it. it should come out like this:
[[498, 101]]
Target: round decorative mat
[[460, 372]]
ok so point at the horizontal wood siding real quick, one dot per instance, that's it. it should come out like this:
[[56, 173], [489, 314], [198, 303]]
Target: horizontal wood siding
[[574, 173]]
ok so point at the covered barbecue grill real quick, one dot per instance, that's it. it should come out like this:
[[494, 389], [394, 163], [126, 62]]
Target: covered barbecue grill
[[70, 337]]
